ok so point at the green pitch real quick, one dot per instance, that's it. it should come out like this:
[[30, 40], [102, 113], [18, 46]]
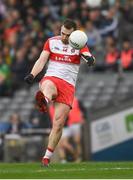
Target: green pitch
[[97, 170]]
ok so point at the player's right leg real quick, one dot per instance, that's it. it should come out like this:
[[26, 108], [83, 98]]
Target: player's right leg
[[47, 92], [61, 113]]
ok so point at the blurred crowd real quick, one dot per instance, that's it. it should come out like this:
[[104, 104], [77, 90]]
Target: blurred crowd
[[25, 25]]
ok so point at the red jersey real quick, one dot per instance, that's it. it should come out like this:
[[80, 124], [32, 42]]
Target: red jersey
[[64, 61]]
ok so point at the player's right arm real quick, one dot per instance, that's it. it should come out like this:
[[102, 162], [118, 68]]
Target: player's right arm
[[39, 64]]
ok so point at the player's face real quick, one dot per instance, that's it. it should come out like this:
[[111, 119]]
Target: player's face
[[65, 33]]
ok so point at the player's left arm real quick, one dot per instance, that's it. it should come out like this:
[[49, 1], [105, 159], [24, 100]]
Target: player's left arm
[[87, 56]]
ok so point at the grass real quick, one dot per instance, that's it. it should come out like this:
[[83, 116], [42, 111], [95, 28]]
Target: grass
[[90, 170]]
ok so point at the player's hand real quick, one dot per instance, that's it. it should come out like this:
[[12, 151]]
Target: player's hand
[[90, 60], [29, 78]]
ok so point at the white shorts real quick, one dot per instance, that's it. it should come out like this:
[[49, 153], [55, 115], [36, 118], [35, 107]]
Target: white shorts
[[72, 130]]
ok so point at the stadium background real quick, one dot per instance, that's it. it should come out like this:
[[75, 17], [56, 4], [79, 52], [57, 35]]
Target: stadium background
[[105, 92]]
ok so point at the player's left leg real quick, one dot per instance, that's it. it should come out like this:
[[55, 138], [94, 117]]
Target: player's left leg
[[61, 113]]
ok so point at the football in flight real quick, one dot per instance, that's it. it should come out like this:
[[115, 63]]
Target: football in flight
[[78, 39]]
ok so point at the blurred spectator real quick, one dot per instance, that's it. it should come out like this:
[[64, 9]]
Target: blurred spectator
[[84, 12], [126, 20], [96, 17], [45, 16], [4, 77], [109, 41], [112, 57], [14, 151], [127, 11], [127, 55], [73, 7], [39, 120], [8, 54], [94, 38], [65, 12], [109, 24], [12, 27], [15, 124], [19, 68]]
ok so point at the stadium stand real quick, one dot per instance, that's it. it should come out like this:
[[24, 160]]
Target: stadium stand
[[108, 93]]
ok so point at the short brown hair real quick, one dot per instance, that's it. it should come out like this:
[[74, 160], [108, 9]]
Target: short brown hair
[[69, 24]]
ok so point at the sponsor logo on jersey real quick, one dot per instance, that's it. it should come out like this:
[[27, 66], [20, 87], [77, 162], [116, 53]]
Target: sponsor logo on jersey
[[64, 58]]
